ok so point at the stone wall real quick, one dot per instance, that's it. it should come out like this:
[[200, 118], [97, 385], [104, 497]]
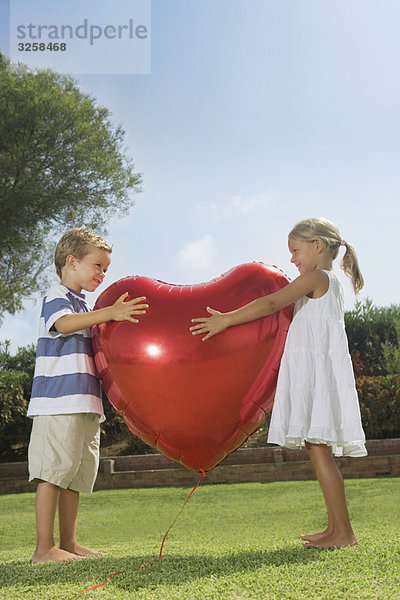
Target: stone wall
[[244, 465]]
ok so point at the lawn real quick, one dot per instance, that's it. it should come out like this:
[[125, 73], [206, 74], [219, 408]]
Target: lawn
[[232, 542]]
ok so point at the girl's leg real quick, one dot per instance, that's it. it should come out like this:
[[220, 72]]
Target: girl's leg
[[67, 515], [46, 505], [312, 537], [339, 531]]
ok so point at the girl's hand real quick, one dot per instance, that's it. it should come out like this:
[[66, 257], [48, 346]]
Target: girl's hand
[[124, 311], [210, 325]]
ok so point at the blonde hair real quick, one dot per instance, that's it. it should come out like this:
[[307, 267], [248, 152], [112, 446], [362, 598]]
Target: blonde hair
[[77, 241], [320, 228]]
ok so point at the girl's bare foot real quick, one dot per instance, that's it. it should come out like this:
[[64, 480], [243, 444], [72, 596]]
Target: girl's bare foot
[[333, 540], [81, 551], [55, 555], [313, 537]]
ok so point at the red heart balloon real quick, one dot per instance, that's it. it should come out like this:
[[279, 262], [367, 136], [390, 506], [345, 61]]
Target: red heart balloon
[[194, 401]]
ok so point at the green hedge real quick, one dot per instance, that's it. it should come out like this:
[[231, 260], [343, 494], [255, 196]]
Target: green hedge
[[374, 344], [16, 374], [380, 405], [379, 399], [374, 340]]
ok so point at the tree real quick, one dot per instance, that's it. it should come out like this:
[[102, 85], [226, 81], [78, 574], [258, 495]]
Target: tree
[[62, 164]]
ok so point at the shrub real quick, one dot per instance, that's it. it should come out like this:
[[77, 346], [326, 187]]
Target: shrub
[[16, 374], [374, 343], [391, 353], [114, 430], [373, 337], [14, 426], [380, 405]]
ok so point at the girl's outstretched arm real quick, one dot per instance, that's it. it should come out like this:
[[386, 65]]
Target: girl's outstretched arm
[[313, 284]]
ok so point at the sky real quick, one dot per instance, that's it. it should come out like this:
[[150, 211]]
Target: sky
[[254, 115]]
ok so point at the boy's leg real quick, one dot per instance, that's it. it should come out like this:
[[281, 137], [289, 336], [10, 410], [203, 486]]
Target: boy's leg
[[339, 531], [46, 505], [88, 430], [67, 514]]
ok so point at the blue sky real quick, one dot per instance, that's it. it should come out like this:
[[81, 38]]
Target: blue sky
[[256, 114]]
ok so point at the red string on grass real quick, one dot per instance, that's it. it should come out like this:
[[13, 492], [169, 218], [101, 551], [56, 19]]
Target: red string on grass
[[202, 474]]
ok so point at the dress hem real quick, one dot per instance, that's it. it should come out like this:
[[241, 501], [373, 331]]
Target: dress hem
[[354, 449]]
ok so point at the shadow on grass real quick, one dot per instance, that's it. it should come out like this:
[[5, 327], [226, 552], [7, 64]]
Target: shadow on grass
[[171, 570]]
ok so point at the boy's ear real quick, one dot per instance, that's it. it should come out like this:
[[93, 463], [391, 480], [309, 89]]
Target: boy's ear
[[70, 262]]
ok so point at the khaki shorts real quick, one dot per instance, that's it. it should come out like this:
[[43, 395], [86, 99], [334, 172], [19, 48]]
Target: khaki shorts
[[64, 450]]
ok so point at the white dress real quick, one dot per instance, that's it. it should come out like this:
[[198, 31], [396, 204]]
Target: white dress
[[316, 398]]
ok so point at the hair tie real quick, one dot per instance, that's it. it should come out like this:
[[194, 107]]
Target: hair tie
[[343, 243]]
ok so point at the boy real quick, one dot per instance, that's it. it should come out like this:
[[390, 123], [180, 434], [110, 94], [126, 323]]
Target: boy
[[66, 404]]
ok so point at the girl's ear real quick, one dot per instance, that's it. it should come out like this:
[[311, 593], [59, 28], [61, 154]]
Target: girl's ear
[[319, 244]]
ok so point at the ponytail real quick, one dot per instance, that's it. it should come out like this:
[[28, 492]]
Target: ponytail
[[351, 268], [318, 227]]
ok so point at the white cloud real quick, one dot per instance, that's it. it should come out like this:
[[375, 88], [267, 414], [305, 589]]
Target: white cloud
[[197, 255], [239, 206]]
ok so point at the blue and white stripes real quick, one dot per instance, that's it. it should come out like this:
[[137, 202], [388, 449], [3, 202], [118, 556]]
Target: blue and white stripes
[[65, 379]]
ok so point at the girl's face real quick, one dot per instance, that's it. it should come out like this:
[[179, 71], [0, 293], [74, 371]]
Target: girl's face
[[305, 255]]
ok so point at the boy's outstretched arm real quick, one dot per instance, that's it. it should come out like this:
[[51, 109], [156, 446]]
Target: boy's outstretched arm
[[119, 311]]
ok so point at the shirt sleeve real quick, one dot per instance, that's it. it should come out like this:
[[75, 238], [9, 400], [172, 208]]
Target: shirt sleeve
[[53, 310]]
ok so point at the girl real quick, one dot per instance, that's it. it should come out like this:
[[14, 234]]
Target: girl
[[316, 402]]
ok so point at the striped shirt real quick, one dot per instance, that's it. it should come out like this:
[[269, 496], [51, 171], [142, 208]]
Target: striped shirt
[[65, 379]]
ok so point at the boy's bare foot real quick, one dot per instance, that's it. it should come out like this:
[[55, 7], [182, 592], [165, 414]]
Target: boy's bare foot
[[54, 554], [313, 537], [333, 540], [81, 551]]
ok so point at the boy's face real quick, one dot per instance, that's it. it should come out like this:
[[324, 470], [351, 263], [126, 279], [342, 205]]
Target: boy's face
[[88, 272]]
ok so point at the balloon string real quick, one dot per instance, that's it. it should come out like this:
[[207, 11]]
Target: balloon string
[[202, 474]]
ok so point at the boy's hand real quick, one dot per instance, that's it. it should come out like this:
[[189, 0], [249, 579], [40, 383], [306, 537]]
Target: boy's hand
[[210, 325], [124, 311]]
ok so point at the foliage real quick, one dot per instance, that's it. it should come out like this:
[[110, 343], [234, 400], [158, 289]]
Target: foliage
[[16, 373], [379, 399], [380, 405], [259, 439], [115, 433], [16, 376], [134, 445], [391, 352], [62, 164], [23, 360], [232, 542], [372, 335], [359, 367], [373, 342]]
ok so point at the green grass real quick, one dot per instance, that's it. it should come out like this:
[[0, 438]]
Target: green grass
[[232, 542]]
